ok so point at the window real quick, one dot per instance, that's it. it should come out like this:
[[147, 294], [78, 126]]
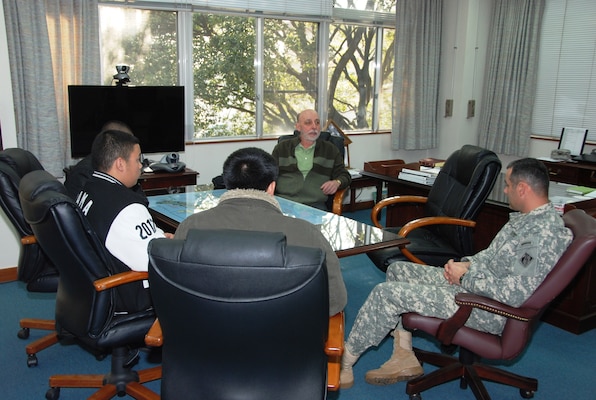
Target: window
[[143, 39], [251, 72], [291, 74], [566, 93], [354, 66], [223, 75]]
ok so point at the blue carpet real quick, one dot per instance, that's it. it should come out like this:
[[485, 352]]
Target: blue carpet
[[561, 361]]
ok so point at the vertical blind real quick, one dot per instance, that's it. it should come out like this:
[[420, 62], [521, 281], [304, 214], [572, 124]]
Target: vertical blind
[[566, 93]]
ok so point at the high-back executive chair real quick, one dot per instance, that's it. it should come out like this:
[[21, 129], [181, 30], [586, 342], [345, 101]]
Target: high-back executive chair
[[521, 321], [86, 297], [243, 316], [33, 267], [334, 202], [445, 229]]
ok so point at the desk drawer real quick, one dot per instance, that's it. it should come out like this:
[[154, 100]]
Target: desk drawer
[[563, 173], [587, 177]]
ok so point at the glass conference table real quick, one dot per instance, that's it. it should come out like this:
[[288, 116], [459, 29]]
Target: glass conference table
[[346, 236]]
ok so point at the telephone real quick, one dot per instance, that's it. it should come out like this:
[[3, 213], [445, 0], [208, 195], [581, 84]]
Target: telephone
[[168, 163]]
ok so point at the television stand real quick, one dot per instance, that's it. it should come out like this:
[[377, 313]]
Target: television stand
[[154, 183]]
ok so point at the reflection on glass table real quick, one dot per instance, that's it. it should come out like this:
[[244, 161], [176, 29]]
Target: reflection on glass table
[[346, 236]]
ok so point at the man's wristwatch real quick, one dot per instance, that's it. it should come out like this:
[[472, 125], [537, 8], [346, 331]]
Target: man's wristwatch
[[461, 278], [338, 181]]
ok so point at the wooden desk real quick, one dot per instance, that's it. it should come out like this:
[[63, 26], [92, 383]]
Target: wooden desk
[[162, 182], [572, 172], [574, 310], [360, 183]]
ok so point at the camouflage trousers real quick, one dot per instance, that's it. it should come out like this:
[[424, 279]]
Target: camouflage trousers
[[409, 287]]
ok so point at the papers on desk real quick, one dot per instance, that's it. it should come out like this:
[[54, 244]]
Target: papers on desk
[[424, 176], [582, 191], [354, 173]]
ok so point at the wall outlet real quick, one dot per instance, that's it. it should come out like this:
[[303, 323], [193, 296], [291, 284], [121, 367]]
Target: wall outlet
[[449, 107], [471, 108]]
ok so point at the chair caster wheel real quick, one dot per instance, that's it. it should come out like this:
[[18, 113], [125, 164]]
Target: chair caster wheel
[[526, 394], [415, 396], [23, 333], [53, 394], [31, 360]]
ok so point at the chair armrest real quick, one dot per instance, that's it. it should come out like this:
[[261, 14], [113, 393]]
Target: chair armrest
[[334, 348], [122, 278], [338, 200], [495, 306], [335, 338], [154, 337], [30, 239], [389, 201], [467, 302], [426, 221]]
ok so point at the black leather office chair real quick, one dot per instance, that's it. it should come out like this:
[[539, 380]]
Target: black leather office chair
[[33, 267], [521, 322], [86, 297], [444, 230], [243, 316], [334, 203]]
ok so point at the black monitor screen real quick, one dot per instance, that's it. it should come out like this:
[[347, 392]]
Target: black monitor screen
[[155, 115]]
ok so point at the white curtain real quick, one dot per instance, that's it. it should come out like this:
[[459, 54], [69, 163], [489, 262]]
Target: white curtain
[[52, 44], [416, 79], [510, 86]]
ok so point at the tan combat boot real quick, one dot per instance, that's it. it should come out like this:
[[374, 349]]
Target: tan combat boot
[[346, 375], [403, 364]]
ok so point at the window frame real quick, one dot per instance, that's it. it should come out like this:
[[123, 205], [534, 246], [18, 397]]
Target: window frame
[[185, 10]]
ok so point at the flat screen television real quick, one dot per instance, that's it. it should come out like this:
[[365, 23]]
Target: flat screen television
[[155, 115]]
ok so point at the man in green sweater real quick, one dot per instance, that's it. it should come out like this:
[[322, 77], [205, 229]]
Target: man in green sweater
[[310, 170]]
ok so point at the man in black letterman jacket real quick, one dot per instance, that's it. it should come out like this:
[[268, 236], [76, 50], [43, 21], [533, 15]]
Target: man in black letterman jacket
[[118, 214]]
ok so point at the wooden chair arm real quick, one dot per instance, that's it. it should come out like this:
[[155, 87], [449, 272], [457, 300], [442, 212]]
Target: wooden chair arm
[[122, 278], [420, 222], [389, 201], [338, 200], [335, 338], [30, 239], [426, 221], [154, 337], [334, 348]]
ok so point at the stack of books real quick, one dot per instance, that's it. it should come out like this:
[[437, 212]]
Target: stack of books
[[425, 176]]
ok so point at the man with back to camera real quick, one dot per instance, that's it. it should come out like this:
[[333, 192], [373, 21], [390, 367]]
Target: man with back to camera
[[119, 215], [508, 270], [78, 174], [249, 175], [309, 169]]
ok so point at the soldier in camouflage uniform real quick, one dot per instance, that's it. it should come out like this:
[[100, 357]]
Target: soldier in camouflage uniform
[[509, 270]]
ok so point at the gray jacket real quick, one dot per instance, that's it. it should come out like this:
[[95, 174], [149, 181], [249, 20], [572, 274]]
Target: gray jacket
[[259, 211]]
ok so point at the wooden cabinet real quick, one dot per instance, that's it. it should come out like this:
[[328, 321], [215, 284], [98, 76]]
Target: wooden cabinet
[[166, 182]]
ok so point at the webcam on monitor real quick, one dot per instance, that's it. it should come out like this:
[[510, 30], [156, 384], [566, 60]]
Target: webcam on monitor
[[122, 78]]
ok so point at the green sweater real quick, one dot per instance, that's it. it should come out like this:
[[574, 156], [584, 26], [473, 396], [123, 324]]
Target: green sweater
[[328, 164]]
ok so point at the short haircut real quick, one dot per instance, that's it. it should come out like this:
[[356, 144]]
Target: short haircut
[[115, 125], [249, 168], [108, 146], [531, 171]]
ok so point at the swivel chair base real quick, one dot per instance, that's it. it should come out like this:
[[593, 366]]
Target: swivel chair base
[[40, 344], [470, 373], [119, 381]]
